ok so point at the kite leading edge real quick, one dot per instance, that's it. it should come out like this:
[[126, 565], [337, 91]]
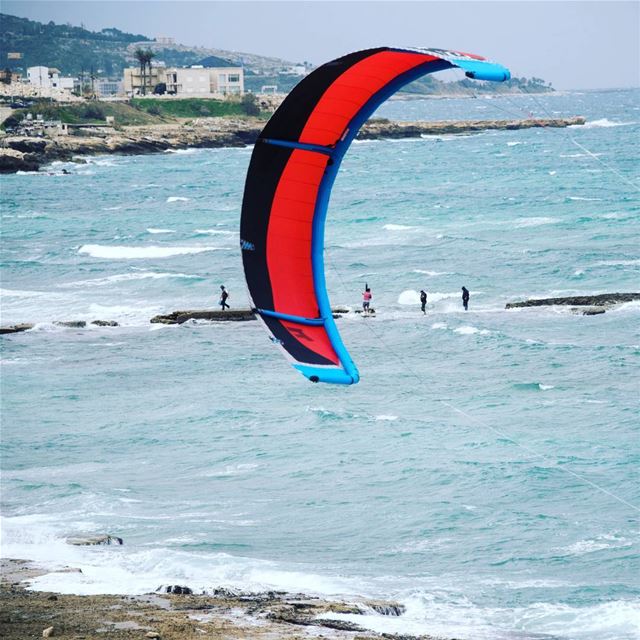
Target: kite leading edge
[[293, 166]]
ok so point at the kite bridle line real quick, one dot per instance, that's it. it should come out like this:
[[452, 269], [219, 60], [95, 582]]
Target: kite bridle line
[[473, 419]]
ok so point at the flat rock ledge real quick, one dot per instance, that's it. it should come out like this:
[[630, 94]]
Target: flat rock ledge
[[584, 305], [180, 317], [176, 612], [21, 153]]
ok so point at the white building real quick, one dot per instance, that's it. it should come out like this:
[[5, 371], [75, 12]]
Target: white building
[[48, 78], [188, 82]]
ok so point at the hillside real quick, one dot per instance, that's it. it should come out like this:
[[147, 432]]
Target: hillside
[[75, 50]]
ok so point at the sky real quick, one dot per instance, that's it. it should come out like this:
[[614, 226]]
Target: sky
[[581, 44]]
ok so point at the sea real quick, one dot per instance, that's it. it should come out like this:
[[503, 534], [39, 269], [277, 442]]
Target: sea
[[485, 471]]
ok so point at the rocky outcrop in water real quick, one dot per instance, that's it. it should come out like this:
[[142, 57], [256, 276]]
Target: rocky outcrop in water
[[585, 305], [90, 541], [179, 317], [19, 153]]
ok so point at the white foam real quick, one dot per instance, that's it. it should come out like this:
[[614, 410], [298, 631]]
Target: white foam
[[388, 418], [214, 232], [398, 227], [138, 253], [126, 277], [439, 325], [513, 144], [152, 230], [412, 297], [467, 330], [432, 273], [177, 199], [602, 122], [535, 221]]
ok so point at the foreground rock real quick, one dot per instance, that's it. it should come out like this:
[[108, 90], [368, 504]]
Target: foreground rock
[[585, 305], [20, 153], [223, 614]]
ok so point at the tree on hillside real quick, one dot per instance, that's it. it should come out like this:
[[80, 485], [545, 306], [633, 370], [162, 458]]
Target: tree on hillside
[[149, 56], [141, 57]]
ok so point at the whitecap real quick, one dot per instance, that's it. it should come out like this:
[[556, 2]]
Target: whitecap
[[535, 221], [439, 325], [152, 230], [583, 199], [125, 277], [384, 417], [602, 122], [397, 227], [214, 232], [467, 330], [177, 199], [138, 253], [513, 144], [432, 273]]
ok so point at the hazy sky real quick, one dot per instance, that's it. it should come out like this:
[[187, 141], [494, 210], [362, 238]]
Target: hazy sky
[[573, 44]]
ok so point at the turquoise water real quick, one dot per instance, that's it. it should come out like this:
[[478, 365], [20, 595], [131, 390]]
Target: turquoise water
[[457, 477]]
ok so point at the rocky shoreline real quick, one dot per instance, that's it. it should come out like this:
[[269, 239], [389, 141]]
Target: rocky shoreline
[[175, 612], [21, 153]]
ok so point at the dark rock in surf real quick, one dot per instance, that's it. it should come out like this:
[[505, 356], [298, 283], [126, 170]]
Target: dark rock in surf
[[105, 323], [602, 301], [176, 589], [90, 541], [72, 324], [16, 328]]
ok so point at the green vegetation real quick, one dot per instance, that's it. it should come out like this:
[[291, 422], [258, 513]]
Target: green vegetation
[[191, 107], [88, 113]]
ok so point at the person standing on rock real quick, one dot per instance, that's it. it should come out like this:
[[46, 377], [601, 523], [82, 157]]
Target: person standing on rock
[[465, 298], [366, 298], [423, 301], [224, 294]]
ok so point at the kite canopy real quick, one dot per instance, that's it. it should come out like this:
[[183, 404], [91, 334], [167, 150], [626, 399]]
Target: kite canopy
[[294, 164]]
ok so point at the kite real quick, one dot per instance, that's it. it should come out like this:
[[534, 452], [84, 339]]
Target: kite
[[293, 166]]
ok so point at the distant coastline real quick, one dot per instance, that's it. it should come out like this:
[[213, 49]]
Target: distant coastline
[[29, 153]]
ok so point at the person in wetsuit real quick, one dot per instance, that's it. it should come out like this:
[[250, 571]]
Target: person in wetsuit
[[224, 294], [423, 300], [465, 298]]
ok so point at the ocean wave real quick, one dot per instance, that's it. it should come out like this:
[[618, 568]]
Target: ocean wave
[[412, 297], [602, 122], [214, 232], [532, 386], [534, 222], [138, 253], [177, 199], [468, 330], [398, 227], [126, 277], [152, 230], [426, 272], [583, 199]]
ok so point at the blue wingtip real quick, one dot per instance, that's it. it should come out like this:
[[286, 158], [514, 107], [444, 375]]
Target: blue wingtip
[[480, 70]]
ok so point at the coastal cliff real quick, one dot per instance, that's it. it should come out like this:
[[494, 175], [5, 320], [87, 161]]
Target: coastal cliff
[[21, 153]]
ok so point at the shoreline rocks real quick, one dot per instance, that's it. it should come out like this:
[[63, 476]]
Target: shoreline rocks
[[176, 612], [20, 153]]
